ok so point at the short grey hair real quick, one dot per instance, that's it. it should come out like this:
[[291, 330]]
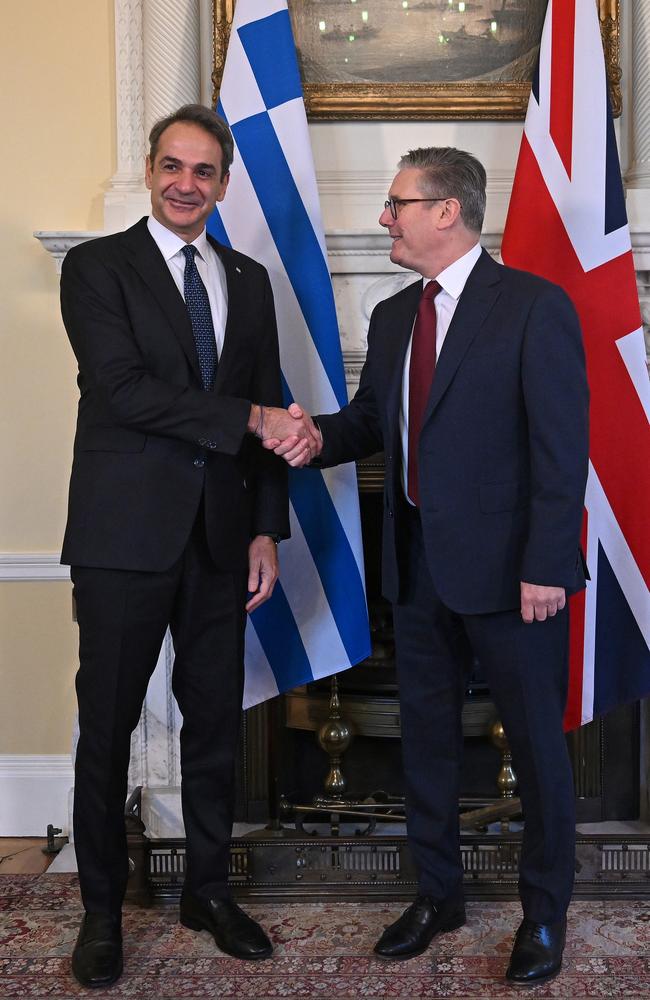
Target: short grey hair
[[451, 173], [210, 121]]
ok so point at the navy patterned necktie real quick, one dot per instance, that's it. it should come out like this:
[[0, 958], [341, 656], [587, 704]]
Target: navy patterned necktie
[[198, 306]]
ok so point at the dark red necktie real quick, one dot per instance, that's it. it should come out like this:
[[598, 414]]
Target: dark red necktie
[[421, 369]]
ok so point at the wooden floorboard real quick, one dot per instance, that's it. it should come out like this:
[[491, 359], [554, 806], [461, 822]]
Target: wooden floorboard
[[23, 856]]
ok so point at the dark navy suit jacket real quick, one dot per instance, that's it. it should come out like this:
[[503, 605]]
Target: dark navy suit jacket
[[150, 443], [504, 446]]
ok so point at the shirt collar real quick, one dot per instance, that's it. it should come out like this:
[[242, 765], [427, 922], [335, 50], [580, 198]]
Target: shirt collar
[[454, 277], [169, 243]]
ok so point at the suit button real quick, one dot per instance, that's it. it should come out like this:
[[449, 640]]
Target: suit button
[[212, 445], [199, 462]]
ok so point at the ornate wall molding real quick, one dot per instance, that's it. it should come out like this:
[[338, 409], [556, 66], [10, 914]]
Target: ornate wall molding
[[172, 64], [129, 104], [639, 173], [32, 567]]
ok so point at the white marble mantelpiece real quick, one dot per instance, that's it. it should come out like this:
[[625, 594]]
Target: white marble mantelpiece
[[362, 275]]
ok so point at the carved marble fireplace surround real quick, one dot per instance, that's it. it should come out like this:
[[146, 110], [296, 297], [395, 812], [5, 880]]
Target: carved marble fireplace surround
[[164, 59]]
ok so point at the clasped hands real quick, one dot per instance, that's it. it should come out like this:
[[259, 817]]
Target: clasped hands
[[293, 435], [290, 433]]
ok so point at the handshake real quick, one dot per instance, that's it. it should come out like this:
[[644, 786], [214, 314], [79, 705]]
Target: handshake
[[291, 433]]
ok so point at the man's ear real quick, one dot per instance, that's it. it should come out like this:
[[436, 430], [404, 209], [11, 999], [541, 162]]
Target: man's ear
[[449, 214], [148, 172], [224, 185]]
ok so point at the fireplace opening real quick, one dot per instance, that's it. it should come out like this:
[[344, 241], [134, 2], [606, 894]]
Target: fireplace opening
[[604, 754]]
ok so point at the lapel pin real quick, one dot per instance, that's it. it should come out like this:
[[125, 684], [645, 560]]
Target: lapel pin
[[238, 270]]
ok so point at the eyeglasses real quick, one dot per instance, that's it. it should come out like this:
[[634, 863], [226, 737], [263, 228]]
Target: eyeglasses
[[396, 203]]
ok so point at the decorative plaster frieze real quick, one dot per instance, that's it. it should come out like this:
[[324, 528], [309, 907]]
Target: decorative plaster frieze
[[352, 365], [638, 176], [172, 56], [129, 95]]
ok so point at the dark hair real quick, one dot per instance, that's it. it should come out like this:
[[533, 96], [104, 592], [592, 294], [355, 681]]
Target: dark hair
[[451, 173], [196, 114]]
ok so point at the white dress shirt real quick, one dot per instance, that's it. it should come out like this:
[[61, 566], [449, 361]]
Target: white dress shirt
[[452, 281], [208, 265]]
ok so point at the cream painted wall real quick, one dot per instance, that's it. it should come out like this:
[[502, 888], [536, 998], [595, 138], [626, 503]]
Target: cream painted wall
[[38, 652], [372, 149], [57, 99]]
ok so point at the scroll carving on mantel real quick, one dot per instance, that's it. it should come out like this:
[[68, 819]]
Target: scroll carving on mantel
[[382, 289]]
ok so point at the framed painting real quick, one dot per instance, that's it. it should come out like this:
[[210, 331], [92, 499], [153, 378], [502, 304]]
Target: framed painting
[[435, 59]]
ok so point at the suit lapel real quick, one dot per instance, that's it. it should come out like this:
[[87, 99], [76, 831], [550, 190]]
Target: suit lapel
[[236, 286], [147, 260], [474, 304], [397, 340]]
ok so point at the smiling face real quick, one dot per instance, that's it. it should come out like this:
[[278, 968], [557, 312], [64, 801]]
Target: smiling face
[[419, 233], [185, 179]]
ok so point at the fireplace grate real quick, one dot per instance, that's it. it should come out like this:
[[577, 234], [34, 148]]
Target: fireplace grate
[[382, 867]]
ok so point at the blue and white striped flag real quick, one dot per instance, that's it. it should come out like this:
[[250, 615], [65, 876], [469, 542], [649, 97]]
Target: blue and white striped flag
[[316, 623]]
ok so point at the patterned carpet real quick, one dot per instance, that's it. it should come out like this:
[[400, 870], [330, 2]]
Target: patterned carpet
[[321, 951]]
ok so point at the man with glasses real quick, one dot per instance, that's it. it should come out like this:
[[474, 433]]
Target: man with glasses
[[474, 387]]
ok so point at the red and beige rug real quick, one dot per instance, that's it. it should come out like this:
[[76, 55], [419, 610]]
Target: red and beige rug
[[322, 950]]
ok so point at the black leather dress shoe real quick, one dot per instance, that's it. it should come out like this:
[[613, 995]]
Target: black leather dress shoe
[[412, 933], [537, 952], [234, 931], [97, 955]]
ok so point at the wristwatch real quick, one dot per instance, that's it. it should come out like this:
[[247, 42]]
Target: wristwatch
[[270, 534]]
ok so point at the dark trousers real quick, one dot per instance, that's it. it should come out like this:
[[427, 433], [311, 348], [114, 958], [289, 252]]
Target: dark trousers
[[526, 668], [122, 621]]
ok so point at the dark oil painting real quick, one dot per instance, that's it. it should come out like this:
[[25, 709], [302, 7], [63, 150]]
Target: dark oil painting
[[404, 41]]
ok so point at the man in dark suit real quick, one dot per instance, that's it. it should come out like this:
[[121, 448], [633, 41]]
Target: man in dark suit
[[174, 514], [474, 386]]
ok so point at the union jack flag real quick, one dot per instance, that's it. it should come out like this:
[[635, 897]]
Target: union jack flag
[[567, 222]]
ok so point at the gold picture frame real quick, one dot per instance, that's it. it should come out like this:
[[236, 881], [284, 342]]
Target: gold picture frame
[[423, 100]]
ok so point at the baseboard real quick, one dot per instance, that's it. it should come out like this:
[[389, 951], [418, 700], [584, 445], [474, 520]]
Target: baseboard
[[34, 791]]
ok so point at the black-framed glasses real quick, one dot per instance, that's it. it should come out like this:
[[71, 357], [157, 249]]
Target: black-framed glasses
[[396, 203]]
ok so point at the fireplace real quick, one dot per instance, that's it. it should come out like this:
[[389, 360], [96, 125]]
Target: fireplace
[[318, 853], [604, 754]]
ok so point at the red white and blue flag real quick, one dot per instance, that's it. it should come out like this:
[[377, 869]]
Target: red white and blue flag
[[567, 222]]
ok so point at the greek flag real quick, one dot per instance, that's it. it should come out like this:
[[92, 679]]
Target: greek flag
[[316, 623]]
